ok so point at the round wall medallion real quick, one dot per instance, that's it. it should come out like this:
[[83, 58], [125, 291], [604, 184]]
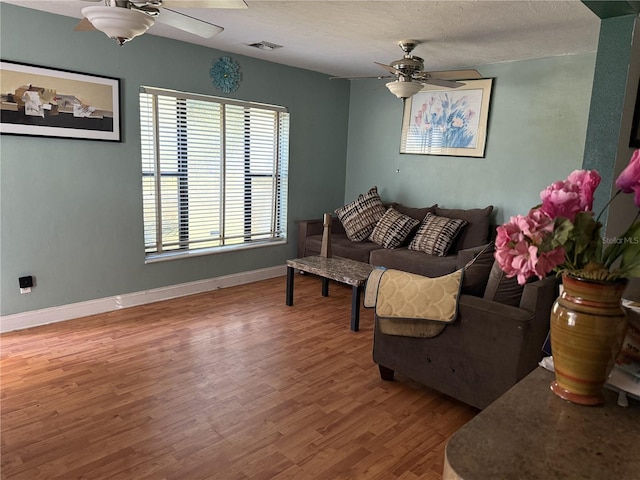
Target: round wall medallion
[[225, 74]]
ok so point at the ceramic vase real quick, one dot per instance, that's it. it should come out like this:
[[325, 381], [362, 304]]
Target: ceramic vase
[[588, 326]]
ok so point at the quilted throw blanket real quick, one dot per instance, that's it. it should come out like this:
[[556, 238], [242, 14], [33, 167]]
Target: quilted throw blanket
[[411, 305]]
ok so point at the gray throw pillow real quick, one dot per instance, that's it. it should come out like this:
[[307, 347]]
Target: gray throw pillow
[[502, 289], [477, 230]]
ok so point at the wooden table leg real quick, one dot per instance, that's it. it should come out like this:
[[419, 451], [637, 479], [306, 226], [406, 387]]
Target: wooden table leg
[[355, 308], [290, 274], [325, 287]]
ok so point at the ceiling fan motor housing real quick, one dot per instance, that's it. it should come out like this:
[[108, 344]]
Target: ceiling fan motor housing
[[408, 65]]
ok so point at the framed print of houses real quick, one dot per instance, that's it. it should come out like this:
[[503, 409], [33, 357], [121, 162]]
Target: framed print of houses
[[48, 102]]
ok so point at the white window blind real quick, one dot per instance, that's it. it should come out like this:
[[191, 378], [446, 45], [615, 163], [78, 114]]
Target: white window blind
[[214, 172]]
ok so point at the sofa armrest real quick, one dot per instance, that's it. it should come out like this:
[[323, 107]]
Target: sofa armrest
[[306, 228], [538, 298]]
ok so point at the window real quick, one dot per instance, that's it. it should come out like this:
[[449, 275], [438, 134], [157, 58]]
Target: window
[[214, 173]]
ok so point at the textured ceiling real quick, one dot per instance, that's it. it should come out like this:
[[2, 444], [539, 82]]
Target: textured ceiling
[[345, 38]]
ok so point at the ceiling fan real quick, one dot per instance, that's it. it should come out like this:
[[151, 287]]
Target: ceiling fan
[[123, 20], [411, 77]]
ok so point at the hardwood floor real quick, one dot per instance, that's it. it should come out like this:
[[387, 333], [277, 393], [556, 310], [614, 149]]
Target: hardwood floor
[[231, 384]]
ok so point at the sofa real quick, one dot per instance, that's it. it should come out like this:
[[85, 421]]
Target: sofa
[[500, 328], [472, 237], [489, 348]]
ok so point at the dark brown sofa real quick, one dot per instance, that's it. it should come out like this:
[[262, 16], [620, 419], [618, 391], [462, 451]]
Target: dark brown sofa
[[483, 353], [476, 234], [501, 327]]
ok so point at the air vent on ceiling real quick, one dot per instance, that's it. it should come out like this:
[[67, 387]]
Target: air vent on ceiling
[[264, 45]]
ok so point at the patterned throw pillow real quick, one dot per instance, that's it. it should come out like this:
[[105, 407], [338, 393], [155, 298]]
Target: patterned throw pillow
[[361, 216], [392, 229], [436, 234]]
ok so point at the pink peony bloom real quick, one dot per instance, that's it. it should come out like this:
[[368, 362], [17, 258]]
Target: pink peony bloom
[[630, 176], [543, 224], [587, 181], [561, 199]]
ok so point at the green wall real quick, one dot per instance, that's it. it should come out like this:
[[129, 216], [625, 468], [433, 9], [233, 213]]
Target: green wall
[[72, 209], [536, 135]]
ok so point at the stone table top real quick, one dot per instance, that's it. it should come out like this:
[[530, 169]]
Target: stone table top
[[530, 433], [343, 270]]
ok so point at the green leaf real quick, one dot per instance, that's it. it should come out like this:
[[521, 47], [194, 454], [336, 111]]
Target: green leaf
[[630, 246]]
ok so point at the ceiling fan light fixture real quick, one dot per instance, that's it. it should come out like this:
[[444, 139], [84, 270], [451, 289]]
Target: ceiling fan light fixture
[[120, 24], [404, 89]]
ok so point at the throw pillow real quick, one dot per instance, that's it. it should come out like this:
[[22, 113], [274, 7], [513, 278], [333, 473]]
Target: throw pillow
[[478, 220], [477, 274], [436, 234], [361, 216], [502, 289], [392, 229], [417, 213]]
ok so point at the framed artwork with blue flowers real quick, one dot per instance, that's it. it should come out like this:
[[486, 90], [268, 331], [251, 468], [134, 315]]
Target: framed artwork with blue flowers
[[225, 74], [447, 121]]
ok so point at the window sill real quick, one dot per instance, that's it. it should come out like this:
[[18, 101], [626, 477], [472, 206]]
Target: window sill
[[182, 254]]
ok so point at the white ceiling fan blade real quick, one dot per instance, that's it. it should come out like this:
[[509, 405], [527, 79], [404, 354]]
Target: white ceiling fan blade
[[204, 3], [389, 68], [84, 26], [456, 74], [443, 83], [188, 24], [379, 77]]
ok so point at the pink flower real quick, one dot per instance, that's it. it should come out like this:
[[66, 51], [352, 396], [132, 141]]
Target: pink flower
[[542, 223], [587, 181], [629, 179], [575, 194], [518, 246], [561, 199]]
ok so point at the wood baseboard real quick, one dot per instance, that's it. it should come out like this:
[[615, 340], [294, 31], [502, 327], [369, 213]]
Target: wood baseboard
[[33, 318]]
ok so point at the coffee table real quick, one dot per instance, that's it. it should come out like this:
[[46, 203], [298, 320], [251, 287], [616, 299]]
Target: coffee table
[[339, 269]]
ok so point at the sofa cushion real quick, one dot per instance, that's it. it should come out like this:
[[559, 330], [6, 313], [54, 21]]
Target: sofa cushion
[[436, 234], [502, 289], [361, 216], [417, 213], [393, 228], [413, 262], [477, 230], [341, 246], [477, 274]]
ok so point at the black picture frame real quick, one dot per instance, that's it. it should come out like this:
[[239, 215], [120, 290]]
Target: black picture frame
[[49, 102], [634, 140]]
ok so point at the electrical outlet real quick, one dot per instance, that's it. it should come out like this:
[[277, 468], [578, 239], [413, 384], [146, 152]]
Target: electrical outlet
[[25, 284]]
